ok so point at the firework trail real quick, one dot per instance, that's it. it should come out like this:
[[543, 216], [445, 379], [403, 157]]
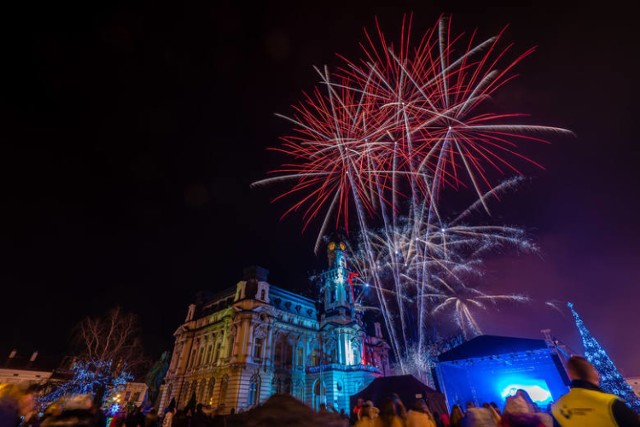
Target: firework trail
[[420, 270], [380, 143]]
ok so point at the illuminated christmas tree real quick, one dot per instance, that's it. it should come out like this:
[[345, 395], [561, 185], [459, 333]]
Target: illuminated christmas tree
[[611, 381]]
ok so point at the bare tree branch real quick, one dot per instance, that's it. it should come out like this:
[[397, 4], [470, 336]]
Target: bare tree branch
[[115, 338]]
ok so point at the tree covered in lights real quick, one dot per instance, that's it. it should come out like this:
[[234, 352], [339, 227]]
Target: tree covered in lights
[[108, 353], [95, 378], [611, 381]]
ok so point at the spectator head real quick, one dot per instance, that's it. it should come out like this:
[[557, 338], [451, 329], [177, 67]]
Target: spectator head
[[456, 414], [18, 396], [391, 407], [420, 405], [494, 405], [579, 368], [284, 410]]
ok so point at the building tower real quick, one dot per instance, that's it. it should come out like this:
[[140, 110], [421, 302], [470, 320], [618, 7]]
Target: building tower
[[336, 292]]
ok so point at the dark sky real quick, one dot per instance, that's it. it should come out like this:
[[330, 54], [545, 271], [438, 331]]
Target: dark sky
[[130, 132]]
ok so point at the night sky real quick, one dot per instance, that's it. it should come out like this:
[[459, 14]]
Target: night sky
[[130, 132]]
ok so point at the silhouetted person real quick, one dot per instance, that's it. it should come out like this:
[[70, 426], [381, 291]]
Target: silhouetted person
[[419, 415], [390, 413], [455, 419]]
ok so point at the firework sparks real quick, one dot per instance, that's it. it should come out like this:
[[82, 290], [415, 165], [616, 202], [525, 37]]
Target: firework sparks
[[378, 144], [402, 123]]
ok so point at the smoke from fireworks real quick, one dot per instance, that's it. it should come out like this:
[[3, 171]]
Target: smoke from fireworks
[[380, 143]]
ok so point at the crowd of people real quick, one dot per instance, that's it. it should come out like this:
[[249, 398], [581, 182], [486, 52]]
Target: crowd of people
[[585, 405]]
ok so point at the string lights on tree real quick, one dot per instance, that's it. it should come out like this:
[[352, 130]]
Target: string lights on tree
[[611, 381]]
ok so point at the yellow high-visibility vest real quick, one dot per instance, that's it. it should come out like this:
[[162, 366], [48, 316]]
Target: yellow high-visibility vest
[[582, 407]]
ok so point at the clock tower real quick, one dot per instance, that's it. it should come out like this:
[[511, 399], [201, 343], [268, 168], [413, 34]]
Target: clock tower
[[336, 287]]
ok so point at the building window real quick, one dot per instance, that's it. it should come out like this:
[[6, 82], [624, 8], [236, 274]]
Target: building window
[[277, 359], [319, 394], [212, 384], [209, 353], [224, 385], [257, 348], [262, 294], [355, 350], [185, 393], [217, 354], [288, 355], [254, 390], [203, 387], [201, 356], [300, 357], [314, 358], [331, 352]]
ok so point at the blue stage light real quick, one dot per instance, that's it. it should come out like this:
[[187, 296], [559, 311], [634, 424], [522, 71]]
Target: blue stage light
[[538, 391]]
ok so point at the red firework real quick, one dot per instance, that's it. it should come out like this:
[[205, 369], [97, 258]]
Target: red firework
[[402, 121]]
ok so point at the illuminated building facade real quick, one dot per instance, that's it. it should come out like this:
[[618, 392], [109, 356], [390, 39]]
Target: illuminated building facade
[[254, 340]]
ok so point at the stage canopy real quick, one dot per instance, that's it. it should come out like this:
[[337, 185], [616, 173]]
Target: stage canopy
[[490, 368], [407, 387]]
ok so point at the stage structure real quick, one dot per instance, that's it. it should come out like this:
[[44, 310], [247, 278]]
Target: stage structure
[[407, 387], [491, 368]]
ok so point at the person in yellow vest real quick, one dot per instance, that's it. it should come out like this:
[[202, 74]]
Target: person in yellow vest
[[586, 405]]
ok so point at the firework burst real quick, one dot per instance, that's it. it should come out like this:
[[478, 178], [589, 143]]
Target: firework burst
[[379, 144]]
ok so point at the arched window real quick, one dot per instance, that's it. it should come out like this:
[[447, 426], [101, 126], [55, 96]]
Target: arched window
[[192, 361], [217, 353], [275, 385], [201, 392], [257, 348], [224, 385], [288, 355], [201, 356], [319, 394], [254, 390], [355, 350], [331, 352], [184, 395], [231, 350], [277, 358], [209, 397], [300, 357], [209, 353]]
